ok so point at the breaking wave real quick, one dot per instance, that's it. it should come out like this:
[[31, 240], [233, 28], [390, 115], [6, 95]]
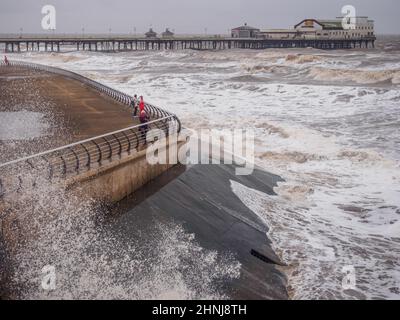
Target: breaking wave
[[302, 58], [355, 76]]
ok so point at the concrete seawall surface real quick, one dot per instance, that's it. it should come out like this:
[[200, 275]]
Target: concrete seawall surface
[[201, 199], [52, 111]]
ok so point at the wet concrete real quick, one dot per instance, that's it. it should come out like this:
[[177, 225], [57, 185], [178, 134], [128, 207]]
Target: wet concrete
[[200, 198], [72, 110]]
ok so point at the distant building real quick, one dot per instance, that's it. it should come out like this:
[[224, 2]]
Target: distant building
[[363, 28], [167, 34], [151, 34], [320, 29], [245, 32]]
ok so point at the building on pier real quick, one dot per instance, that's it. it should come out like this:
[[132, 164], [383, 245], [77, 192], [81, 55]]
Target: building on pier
[[359, 28], [167, 34], [151, 34], [245, 32]]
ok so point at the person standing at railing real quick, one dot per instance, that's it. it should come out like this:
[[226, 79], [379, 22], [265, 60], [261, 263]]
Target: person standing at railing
[[135, 105], [144, 118], [141, 104]]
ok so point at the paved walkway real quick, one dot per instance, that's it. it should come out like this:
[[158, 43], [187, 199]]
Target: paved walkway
[[68, 110]]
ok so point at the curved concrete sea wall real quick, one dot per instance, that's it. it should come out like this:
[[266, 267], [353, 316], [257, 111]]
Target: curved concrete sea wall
[[122, 177]]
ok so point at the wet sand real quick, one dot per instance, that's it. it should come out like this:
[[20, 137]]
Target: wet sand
[[71, 110]]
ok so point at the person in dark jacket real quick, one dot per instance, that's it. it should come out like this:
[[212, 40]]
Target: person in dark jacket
[[135, 105], [144, 128]]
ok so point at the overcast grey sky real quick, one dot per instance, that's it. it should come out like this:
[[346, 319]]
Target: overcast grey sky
[[186, 16]]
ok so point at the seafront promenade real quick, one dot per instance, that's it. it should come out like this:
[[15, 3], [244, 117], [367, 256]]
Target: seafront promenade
[[91, 133], [72, 111]]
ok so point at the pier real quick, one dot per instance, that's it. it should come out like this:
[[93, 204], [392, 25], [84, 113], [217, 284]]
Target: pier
[[156, 44]]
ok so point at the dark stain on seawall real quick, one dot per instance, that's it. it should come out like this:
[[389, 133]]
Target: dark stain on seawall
[[3, 268], [201, 199]]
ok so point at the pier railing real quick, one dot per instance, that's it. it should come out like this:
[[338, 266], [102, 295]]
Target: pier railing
[[83, 156]]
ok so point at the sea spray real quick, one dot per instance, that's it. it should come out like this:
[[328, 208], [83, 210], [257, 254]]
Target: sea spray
[[72, 235]]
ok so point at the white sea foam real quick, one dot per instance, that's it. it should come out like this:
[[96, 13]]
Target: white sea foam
[[94, 261]]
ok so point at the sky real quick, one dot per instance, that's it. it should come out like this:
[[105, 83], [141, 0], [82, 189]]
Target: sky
[[185, 16]]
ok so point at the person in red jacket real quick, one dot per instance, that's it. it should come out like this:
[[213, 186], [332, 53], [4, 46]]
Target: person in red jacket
[[141, 104]]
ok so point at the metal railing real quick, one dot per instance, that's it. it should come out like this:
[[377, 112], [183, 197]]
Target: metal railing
[[85, 155], [153, 111]]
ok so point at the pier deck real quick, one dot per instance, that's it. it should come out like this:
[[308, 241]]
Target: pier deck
[[56, 44]]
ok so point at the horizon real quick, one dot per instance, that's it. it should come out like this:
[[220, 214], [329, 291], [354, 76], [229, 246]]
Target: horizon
[[185, 17], [128, 34]]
